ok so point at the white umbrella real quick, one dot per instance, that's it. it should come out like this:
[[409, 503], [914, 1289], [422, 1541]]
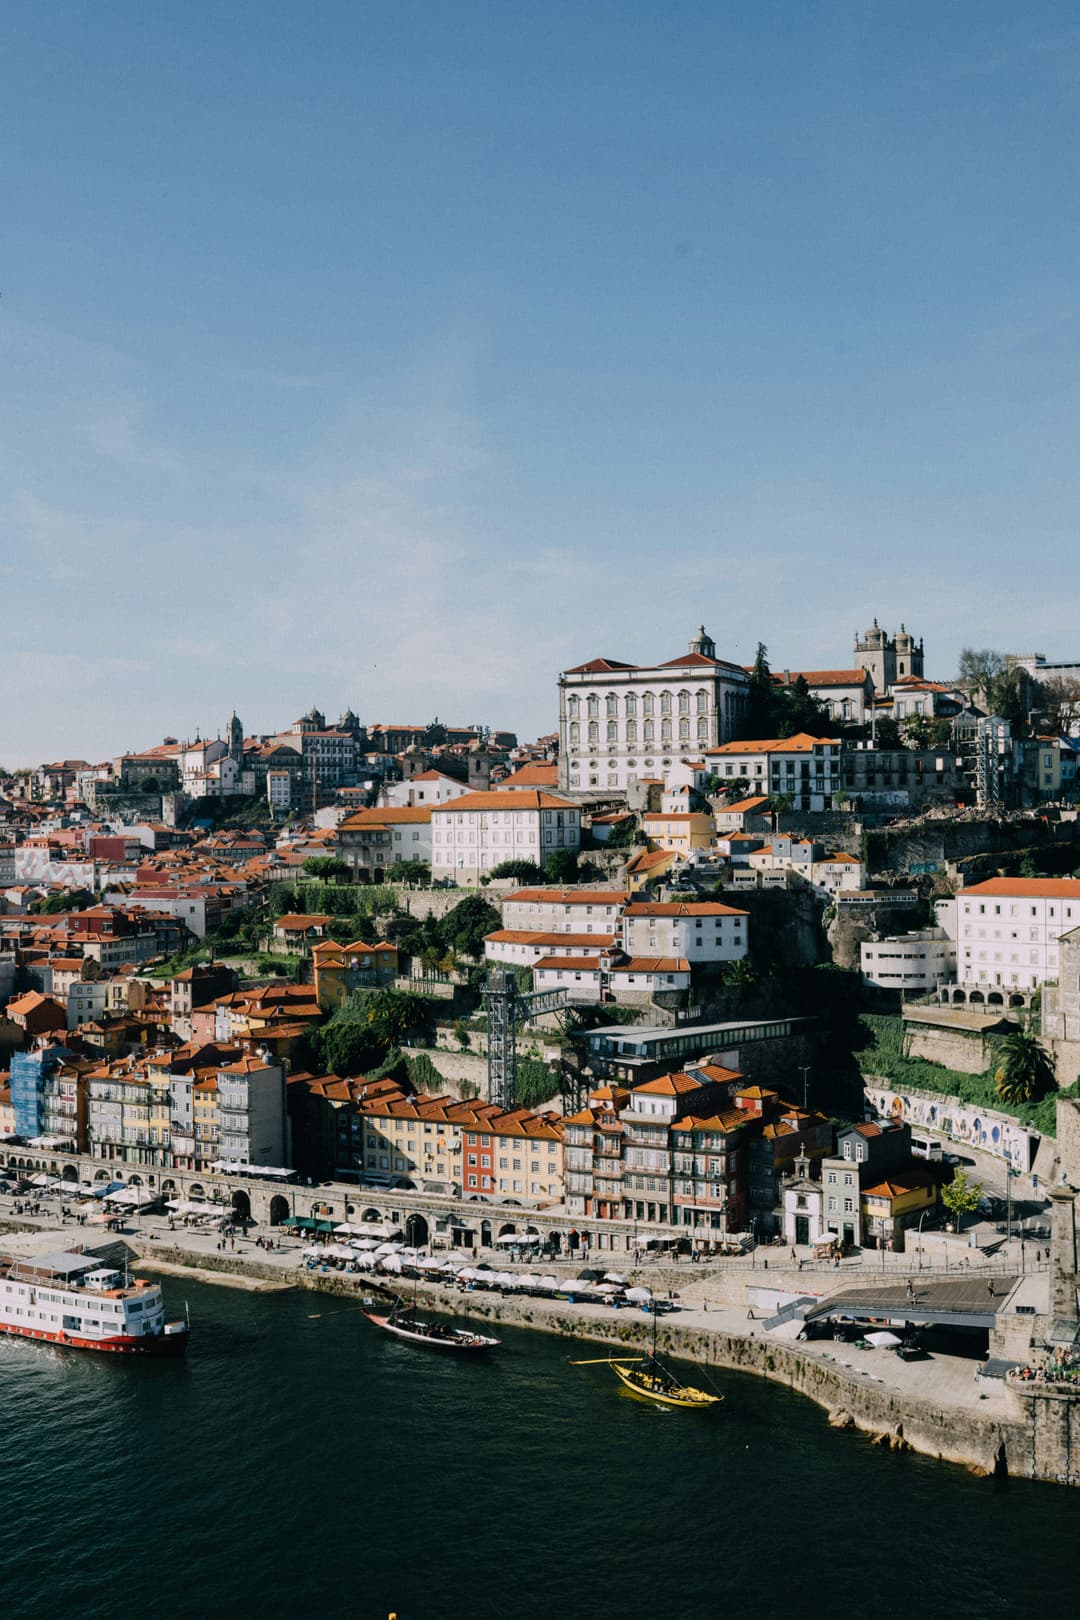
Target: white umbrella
[[364, 1262], [607, 1288], [547, 1283], [580, 1285], [432, 1264], [362, 1243], [640, 1296], [883, 1341], [528, 1280], [614, 1277], [467, 1274], [44, 1181], [386, 1248], [390, 1262]]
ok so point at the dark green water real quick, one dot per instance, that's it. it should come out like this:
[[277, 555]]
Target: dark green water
[[301, 1468]]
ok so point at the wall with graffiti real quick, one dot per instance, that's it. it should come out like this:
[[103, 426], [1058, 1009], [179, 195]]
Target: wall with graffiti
[[964, 1123]]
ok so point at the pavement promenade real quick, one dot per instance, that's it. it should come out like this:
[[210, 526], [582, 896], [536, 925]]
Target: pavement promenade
[[712, 1297]]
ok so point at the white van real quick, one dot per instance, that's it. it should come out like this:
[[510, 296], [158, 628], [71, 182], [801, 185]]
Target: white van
[[926, 1147]]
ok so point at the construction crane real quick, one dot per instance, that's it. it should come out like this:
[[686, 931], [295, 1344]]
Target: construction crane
[[507, 1007]]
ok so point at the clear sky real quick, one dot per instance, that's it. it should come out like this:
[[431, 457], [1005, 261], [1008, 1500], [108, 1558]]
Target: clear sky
[[402, 354]]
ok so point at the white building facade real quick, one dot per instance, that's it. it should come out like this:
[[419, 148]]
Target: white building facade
[[619, 722], [1008, 931], [478, 832], [805, 768], [917, 961], [699, 931], [565, 911]]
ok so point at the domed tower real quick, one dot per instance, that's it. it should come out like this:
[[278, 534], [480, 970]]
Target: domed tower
[[236, 739], [875, 652], [909, 654], [349, 722], [703, 643]]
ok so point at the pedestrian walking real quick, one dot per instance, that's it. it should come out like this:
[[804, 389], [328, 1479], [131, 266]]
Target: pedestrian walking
[[793, 1257]]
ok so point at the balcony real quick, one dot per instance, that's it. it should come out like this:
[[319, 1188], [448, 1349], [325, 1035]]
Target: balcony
[[705, 1198]]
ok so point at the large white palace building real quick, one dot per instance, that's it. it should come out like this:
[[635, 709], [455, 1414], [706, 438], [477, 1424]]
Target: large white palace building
[[622, 721]]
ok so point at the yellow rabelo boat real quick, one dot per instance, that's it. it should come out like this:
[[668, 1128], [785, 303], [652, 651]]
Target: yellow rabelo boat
[[652, 1382]]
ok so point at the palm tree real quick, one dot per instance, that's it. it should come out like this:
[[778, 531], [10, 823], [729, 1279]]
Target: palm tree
[[1023, 1072]]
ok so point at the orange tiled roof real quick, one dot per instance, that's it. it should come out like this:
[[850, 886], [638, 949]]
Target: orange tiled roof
[[1028, 888]]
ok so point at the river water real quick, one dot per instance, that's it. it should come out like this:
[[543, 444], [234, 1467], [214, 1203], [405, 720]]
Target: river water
[[305, 1465]]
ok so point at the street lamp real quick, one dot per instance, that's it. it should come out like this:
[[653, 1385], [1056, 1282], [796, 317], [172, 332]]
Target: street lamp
[[922, 1218]]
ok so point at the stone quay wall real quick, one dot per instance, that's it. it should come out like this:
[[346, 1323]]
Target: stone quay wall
[[1038, 1436]]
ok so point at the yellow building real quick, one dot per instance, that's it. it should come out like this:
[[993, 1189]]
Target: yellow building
[[650, 864], [895, 1203], [679, 830], [340, 969]]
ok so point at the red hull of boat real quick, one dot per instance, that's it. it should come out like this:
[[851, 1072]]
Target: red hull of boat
[[157, 1344]]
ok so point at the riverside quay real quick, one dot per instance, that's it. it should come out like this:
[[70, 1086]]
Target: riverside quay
[[277, 1197]]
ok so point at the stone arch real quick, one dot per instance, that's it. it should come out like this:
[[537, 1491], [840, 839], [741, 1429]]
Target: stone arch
[[507, 1228], [197, 1190], [241, 1206], [371, 1215], [416, 1231], [1017, 1000], [102, 1175], [168, 1188], [485, 1234], [995, 999], [69, 1173], [279, 1209], [976, 998], [136, 1181], [532, 1231], [321, 1210], [959, 997]]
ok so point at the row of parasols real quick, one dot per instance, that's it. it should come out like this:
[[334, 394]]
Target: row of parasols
[[396, 1260]]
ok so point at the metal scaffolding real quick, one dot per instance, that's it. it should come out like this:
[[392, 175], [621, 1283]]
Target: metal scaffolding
[[507, 1007]]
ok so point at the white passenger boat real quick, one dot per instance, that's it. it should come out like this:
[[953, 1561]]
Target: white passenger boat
[[80, 1302]]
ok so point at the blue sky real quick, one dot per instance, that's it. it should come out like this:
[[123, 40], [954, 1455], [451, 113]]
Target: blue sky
[[400, 355]]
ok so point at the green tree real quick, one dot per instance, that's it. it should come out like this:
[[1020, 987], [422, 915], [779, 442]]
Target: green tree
[[887, 734], [417, 873], [623, 835], [520, 871], [464, 929], [366, 1027], [757, 721], [961, 1197], [561, 866], [69, 900], [327, 867], [536, 1083], [799, 710], [460, 1033], [91, 971], [1024, 1071]]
